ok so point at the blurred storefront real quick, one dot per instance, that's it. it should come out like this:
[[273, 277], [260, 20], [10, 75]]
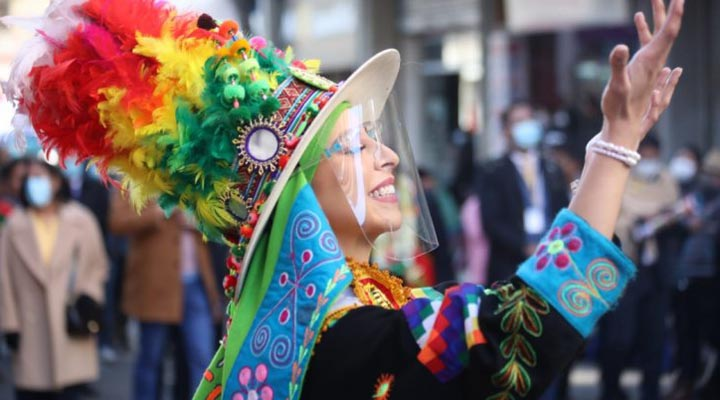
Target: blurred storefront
[[442, 52], [439, 41], [466, 60], [554, 53], [694, 116]]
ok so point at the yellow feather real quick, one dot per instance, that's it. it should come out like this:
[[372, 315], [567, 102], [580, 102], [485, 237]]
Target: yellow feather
[[312, 65]]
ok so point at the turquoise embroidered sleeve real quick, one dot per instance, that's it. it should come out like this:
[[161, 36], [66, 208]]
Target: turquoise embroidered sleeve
[[579, 271]]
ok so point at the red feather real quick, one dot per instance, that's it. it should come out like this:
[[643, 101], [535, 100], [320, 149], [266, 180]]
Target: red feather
[[126, 18]]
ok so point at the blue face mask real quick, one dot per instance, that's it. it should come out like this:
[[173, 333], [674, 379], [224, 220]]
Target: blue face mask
[[38, 190], [527, 134]]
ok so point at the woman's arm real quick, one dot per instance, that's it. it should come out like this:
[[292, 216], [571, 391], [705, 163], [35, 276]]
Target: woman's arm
[[9, 321], [94, 266], [635, 97]]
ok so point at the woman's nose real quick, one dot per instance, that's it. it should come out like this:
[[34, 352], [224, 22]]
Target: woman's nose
[[386, 157]]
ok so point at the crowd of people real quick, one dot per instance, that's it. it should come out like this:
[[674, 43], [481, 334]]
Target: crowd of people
[[668, 226], [69, 240]]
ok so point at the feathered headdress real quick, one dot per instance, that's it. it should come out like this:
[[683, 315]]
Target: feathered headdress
[[188, 110], [169, 100]]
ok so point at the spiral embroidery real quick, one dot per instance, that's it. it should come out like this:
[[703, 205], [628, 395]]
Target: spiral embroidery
[[577, 296], [260, 340], [603, 274], [281, 352], [328, 242], [307, 225]]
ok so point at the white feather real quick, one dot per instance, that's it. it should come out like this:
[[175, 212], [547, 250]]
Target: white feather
[[59, 19]]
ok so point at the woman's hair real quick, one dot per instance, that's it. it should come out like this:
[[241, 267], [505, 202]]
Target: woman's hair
[[7, 170], [695, 151], [63, 193]]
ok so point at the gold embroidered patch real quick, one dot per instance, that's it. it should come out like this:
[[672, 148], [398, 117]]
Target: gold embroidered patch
[[377, 287]]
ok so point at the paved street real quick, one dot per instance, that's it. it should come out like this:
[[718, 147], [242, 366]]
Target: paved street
[[115, 382]]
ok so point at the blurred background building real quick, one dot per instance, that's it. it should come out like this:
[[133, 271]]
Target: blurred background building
[[465, 60]]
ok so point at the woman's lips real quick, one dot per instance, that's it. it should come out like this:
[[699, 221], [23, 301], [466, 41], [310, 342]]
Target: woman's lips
[[384, 192]]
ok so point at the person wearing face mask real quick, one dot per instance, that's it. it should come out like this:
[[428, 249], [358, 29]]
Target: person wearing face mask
[[521, 192], [697, 286], [685, 167], [52, 258], [641, 318]]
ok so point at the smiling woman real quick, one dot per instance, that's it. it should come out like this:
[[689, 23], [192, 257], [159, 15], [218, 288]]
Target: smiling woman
[[361, 165], [301, 176]]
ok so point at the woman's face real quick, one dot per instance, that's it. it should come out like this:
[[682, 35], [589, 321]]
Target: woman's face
[[355, 182], [38, 171]]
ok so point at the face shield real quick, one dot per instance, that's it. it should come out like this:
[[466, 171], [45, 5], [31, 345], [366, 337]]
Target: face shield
[[367, 182]]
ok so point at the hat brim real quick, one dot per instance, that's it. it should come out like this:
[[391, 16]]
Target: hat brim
[[375, 80]]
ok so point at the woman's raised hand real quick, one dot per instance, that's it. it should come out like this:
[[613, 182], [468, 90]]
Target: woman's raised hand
[[640, 90], [637, 93]]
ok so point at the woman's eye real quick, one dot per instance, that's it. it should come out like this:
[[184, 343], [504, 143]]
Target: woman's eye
[[354, 150]]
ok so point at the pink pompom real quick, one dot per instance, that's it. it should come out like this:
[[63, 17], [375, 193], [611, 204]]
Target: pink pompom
[[258, 43]]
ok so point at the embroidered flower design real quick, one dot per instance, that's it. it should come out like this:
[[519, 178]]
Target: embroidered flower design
[[383, 386], [253, 386], [557, 247]]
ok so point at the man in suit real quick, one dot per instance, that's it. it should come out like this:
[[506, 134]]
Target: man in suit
[[522, 192]]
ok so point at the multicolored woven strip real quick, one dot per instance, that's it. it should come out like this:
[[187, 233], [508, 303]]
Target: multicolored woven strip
[[445, 327]]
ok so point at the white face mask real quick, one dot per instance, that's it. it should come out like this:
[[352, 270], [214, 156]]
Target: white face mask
[[683, 169], [39, 191], [648, 169], [527, 134]]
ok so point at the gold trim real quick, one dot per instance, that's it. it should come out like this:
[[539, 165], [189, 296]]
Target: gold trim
[[377, 287]]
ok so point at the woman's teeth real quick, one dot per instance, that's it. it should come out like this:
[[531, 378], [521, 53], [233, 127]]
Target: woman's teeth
[[384, 191]]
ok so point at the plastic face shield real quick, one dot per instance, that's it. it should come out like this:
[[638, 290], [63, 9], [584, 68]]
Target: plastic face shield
[[368, 185]]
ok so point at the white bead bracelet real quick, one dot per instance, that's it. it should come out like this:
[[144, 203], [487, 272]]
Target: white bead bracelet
[[620, 153]]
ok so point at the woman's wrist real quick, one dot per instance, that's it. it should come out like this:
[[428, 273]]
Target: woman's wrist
[[619, 153], [599, 192], [622, 133]]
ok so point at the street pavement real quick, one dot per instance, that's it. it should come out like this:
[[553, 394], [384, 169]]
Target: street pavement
[[116, 381]]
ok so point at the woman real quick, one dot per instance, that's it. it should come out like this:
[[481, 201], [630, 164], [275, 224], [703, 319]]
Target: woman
[[51, 255], [303, 178]]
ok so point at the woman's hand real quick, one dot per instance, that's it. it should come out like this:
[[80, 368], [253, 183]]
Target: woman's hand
[[639, 91]]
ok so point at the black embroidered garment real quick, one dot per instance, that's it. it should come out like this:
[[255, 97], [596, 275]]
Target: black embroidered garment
[[467, 342]]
